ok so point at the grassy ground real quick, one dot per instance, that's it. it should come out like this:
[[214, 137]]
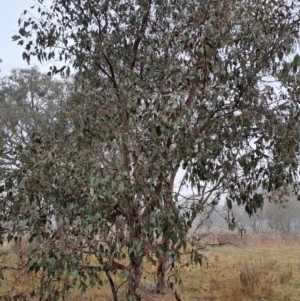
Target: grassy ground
[[246, 273], [255, 268], [258, 268]]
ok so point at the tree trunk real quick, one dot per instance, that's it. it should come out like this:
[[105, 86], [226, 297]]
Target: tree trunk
[[136, 255], [136, 274], [161, 272], [162, 261], [161, 285]]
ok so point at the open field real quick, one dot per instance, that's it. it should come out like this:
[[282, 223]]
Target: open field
[[254, 268], [261, 272]]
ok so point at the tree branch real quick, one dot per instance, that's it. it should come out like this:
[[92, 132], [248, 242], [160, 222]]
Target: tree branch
[[139, 37]]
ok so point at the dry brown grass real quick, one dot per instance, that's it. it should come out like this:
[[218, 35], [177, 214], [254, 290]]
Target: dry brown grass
[[257, 268]]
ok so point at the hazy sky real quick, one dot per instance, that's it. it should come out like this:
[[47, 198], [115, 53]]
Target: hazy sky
[[10, 52]]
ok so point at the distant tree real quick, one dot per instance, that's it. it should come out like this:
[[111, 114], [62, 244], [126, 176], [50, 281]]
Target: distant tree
[[255, 222], [284, 217], [30, 102], [162, 87]]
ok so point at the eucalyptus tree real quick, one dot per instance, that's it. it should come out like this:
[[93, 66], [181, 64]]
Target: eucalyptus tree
[[30, 103], [207, 87]]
